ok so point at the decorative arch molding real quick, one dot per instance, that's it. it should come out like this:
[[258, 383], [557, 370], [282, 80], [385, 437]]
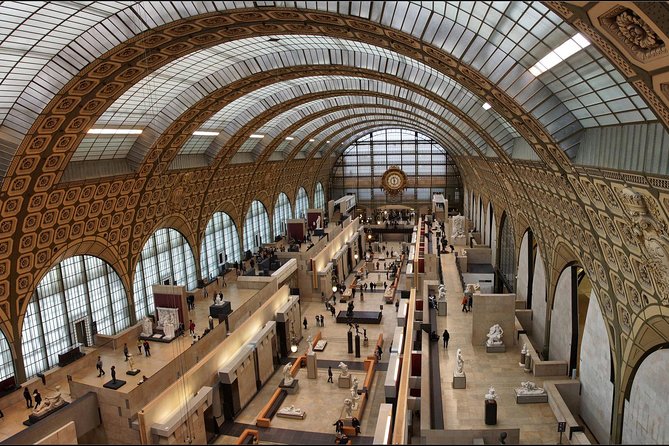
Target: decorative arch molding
[[89, 246], [561, 256], [227, 207], [645, 341]]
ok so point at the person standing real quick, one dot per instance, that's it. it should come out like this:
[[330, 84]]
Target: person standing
[[38, 398], [211, 323], [446, 335], [191, 327], [464, 304], [147, 348], [322, 321], [139, 345], [332, 310], [305, 323], [125, 351], [98, 365], [318, 321], [330, 374], [356, 425], [29, 399], [113, 372], [469, 302]]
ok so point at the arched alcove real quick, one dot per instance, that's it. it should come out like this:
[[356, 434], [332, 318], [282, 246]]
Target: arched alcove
[[256, 227], [319, 197], [526, 265], [506, 267], [539, 303], [220, 245], [282, 212], [301, 203], [166, 256], [78, 298]]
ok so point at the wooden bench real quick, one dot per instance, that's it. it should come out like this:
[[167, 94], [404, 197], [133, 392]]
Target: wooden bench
[[268, 411], [249, 436]]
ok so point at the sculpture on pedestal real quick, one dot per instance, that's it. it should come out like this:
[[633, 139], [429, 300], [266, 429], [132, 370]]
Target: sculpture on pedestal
[[460, 364], [318, 223], [168, 330], [147, 327], [495, 336], [348, 407], [219, 299], [344, 369], [287, 376], [491, 395], [131, 362], [442, 292], [51, 402], [354, 392], [529, 388], [524, 349], [458, 229], [310, 345]]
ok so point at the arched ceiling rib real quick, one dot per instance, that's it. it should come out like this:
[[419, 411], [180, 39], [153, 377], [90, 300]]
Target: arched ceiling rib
[[161, 97], [239, 112], [499, 39]]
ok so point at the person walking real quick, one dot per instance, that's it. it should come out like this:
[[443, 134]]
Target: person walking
[[469, 302], [332, 310], [29, 399], [322, 321], [125, 351], [318, 321], [98, 365], [464, 304], [305, 323], [446, 337], [191, 327], [147, 348], [330, 374], [38, 398]]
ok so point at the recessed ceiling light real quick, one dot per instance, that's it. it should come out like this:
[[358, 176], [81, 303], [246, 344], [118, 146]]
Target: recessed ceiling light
[[114, 131], [289, 138], [486, 106], [202, 133], [257, 136], [567, 49], [327, 142], [312, 140]]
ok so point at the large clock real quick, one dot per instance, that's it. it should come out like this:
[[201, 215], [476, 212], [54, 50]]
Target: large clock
[[394, 180]]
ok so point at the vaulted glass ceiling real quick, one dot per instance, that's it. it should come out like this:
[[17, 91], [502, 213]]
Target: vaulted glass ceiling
[[43, 45]]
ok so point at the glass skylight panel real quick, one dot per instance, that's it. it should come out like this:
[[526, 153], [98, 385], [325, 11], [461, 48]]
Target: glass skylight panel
[[564, 51]]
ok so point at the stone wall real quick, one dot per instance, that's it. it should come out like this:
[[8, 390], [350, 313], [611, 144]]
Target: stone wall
[[595, 374], [539, 304], [561, 320], [645, 418], [523, 271], [491, 309]]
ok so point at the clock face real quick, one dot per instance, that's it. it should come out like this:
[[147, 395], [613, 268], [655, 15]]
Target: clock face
[[394, 180]]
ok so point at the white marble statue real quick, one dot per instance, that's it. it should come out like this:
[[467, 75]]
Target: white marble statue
[[459, 364], [147, 327], [458, 223], [495, 336], [310, 345], [524, 349], [168, 329], [131, 362], [354, 391], [219, 299], [442, 292], [50, 402], [344, 369], [491, 395], [287, 376], [529, 388], [292, 410], [348, 407], [319, 222]]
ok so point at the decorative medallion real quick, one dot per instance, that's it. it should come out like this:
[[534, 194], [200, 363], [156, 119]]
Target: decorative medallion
[[636, 36], [394, 181]]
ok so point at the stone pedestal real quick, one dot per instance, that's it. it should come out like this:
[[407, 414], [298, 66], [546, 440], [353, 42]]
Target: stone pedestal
[[528, 363], [312, 366], [524, 398], [522, 360], [441, 307], [495, 348], [490, 412], [133, 372], [344, 382], [459, 382], [291, 389]]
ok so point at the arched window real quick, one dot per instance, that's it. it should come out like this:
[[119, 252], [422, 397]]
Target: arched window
[[220, 245], [6, 360], [76, 299], [282, 212], [507, 255], [256, 227], [301, 203], [165, 256], [319, 197]]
